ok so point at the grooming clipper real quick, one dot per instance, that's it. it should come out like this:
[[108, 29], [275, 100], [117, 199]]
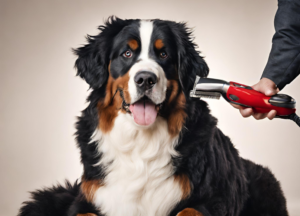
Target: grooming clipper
[[245, 96]]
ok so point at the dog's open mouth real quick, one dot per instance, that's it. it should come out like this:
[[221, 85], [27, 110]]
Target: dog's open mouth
[[144, 111]]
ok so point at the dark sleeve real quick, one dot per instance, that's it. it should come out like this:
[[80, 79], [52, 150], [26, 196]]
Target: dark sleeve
[[283, 65]]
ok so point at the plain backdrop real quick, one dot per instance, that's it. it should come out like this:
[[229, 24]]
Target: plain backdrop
[[40, 96]]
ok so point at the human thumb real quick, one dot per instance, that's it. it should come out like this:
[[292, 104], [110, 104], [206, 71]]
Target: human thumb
[[266, 86]]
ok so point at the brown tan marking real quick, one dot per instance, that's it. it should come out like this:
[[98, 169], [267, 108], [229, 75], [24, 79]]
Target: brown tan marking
[[109, 107], [159, 44], [87, 214], [176, 105], [173, 86], [89, 187], [185, 184], [189, 212], [133, 44]]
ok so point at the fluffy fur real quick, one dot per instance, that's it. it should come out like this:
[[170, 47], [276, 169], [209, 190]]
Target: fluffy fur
[[182, 164], [139, 170]]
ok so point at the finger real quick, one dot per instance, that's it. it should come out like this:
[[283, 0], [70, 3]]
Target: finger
[[259, 116], [256, 87], [236, 106], [246, 112], [272, 114], [270, 92], [266, 86]]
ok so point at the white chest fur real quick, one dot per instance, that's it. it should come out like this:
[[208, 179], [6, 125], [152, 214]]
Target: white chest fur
[[139, 179]]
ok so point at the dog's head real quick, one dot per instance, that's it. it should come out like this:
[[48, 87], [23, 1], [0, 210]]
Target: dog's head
[[146, 67]]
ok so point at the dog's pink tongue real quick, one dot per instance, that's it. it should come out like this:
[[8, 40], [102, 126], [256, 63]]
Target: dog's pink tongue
[[144, 113]]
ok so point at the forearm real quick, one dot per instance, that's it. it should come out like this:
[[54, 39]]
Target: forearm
[[283, 64]]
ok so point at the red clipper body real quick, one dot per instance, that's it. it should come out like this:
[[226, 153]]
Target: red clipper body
[[246, 96]]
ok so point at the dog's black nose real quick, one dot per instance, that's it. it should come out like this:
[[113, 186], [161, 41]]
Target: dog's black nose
[[145, 80]]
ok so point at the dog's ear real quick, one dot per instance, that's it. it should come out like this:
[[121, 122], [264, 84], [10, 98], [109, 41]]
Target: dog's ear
[[93, 58], [190, 63]]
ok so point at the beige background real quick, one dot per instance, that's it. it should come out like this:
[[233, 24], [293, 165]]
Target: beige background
[[40, 95]]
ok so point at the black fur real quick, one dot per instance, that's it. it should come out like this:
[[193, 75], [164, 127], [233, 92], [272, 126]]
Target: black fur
[[223, 184], [92, 65], [51, 201], [190, 63]]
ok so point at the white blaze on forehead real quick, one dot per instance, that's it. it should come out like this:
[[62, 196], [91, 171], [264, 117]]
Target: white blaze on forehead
[[145, 63], [146, 29]]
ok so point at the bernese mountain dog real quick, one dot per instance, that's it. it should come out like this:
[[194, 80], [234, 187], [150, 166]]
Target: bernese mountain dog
[[147, 148]]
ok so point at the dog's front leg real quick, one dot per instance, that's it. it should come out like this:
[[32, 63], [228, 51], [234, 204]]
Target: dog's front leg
[[87, 214], [189, 212]]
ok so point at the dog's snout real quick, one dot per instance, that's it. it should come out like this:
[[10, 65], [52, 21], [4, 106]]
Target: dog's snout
[[145, 80]]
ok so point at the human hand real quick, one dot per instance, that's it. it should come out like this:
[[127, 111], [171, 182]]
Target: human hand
[[267, 87]]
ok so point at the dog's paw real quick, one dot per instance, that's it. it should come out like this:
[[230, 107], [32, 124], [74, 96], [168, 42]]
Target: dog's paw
[[87, 214], [189, 212]]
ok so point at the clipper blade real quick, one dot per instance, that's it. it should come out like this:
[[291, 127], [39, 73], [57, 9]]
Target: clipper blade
[[204, 94]]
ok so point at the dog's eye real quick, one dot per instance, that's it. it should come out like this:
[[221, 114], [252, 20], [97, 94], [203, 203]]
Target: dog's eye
[[163, 55], [127, 54]]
